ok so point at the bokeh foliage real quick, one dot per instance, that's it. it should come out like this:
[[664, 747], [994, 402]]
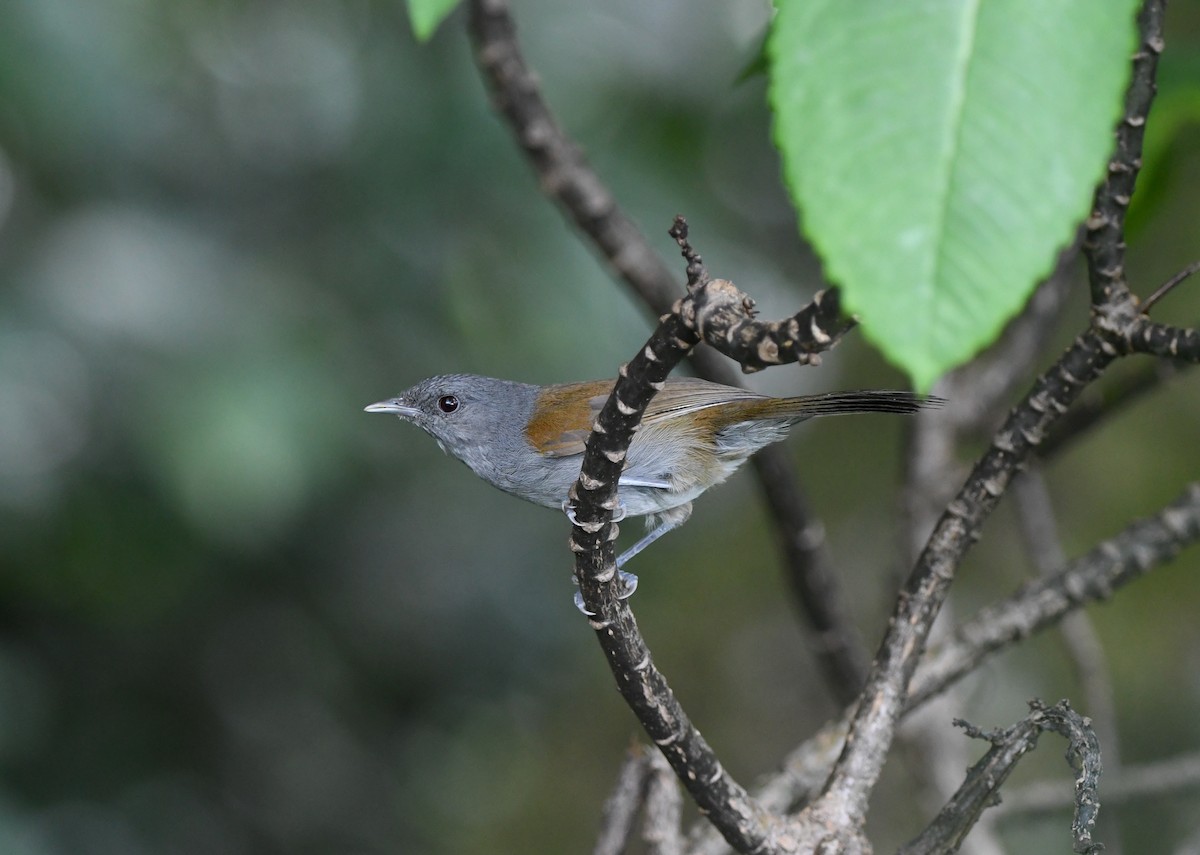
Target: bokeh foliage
[[239, 615]]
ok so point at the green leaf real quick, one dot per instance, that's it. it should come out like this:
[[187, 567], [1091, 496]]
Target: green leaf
[[425, 15], [941, 152]]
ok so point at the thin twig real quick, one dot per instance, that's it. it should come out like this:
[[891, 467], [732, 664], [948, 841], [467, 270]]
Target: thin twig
[[957, 530], [1165, 288], [1115, 312], [978, 791], [1163, 340], [871, 725], [562, 168]]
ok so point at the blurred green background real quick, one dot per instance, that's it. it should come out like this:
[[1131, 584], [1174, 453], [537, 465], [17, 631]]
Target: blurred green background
[[239, 615]]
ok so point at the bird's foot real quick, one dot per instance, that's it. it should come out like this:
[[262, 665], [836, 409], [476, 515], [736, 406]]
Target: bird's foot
[[569, 509], [627, 583]]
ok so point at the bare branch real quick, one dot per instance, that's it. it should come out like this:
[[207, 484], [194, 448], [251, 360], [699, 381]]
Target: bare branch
[[720, 314], [1164, 340], [978, 792], [957, 530], [1104, 244], [1137, 550], [1100, 404], [1083, 755]]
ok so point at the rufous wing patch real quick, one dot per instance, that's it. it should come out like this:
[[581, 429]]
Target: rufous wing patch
[[563, 417], [564, 414]]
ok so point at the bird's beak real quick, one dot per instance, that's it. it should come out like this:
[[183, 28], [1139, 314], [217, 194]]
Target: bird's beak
[[395, 406]]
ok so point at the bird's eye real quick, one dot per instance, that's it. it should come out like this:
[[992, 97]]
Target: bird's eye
[[448, 403]]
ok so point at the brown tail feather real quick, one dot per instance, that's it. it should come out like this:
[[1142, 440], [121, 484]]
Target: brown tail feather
[[838, 403]]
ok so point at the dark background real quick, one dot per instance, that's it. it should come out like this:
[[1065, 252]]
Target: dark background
[[239, 615]]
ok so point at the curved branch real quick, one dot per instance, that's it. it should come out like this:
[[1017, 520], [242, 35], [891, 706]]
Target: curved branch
[[874, 722], [565, 176], [716, 312], [983, 781]]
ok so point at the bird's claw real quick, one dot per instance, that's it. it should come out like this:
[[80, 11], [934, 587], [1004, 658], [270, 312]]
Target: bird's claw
[[627, 583], [569, 510]]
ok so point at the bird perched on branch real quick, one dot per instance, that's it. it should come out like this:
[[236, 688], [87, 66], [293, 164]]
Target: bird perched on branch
[[528, 440]]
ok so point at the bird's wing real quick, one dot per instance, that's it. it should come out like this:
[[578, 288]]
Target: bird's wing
[[686, 395], [566, 413]]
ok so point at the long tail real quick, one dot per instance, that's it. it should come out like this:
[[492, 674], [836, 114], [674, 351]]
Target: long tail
[[866, 401]]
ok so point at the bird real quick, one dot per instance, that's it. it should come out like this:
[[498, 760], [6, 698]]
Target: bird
[[528, 440]]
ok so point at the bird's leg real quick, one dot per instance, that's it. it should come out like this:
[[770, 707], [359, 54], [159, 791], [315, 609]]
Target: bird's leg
[[627, 581], [667, 520], [662, 523]]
